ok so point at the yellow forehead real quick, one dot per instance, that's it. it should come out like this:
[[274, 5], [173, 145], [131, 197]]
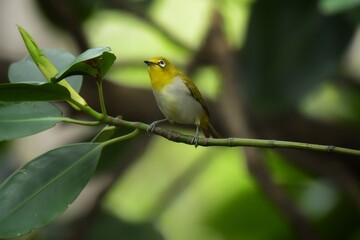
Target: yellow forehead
[[157, 59]]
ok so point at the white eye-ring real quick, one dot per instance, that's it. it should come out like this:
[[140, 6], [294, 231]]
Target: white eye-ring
[[161, 63]]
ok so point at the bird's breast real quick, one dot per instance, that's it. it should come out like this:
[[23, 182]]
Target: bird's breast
[[177, 103]]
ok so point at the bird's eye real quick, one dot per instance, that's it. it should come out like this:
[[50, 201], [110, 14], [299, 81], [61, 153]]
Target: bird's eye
[[161, 63]]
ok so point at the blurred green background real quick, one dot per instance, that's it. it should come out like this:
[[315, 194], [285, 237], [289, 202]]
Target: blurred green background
[[273, 69]]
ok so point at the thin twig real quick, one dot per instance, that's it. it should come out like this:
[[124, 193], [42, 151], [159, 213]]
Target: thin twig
[[233, 142]]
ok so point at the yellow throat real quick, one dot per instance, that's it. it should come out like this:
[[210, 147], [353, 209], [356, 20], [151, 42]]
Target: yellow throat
[[161, 71]]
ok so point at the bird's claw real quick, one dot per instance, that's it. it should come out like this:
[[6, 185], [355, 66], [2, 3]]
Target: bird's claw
[[195, 141], [151, 127]]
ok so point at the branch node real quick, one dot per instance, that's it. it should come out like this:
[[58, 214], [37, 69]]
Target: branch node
[[229, 142], [330, 148], [271, 143]]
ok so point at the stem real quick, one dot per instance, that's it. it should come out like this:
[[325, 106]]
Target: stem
[[101, 97], [122, 138], [234, 142], [81, 122], [205, 142], [86, 109], [263, 143]]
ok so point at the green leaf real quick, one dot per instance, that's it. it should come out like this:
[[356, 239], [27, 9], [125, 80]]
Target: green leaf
[[16, 92], [26, 118], [336, 6], [46, 67], [41, 190], [25, 70], [105, 134], [94, 62]]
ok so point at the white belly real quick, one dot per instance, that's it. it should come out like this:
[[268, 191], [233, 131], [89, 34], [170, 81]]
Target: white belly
[[178, 105]]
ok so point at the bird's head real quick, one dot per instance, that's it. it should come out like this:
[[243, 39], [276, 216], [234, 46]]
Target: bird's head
[[160, 67]]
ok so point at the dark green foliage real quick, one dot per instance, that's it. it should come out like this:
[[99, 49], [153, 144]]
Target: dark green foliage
[[290, 49], [41, 190], [26, 118]]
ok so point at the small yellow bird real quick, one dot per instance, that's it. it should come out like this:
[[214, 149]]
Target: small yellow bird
[[178, 98]]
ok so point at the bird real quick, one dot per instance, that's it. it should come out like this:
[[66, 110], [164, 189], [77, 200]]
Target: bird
[[178, 98]]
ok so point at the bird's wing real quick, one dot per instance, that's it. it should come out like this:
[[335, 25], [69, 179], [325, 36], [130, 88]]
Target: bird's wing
[[195, 92]]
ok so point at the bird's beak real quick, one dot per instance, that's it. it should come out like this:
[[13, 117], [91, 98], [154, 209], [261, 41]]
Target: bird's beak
[[148, 62]]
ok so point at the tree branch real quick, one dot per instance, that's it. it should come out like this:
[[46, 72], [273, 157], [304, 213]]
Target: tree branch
[[233, 142]]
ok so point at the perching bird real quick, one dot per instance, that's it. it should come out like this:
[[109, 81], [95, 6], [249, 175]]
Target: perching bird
[[178, 98]]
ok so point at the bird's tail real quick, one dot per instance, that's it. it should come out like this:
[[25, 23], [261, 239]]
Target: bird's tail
[[210, 131]]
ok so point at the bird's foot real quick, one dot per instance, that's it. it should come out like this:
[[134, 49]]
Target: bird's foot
[[151, 127], [195, 141]]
